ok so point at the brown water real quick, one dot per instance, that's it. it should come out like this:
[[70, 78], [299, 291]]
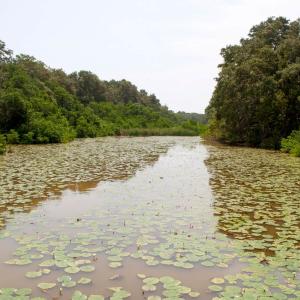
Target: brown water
[[159, 206]]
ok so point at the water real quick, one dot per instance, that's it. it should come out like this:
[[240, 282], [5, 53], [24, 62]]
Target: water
[[159, 206]]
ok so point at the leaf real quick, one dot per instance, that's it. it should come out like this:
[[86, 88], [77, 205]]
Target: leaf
[[46, 285], [79, 296], [215, 288], [72, 270], [217, 280], [84, 280], [87, 268]]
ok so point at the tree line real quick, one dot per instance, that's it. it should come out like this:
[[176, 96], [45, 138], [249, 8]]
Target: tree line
[[256, 100], [39, 104]]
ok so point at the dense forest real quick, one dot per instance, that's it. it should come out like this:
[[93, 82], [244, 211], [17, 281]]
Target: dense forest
[[256, 101], [39, 104]]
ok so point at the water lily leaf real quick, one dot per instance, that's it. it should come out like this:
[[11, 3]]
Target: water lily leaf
[[84, 280], [166, 279], [151, 280], [24, 292], [69, 284], [46, 271], [96, 297], [19, 262], [87, 268], [34, 274], [119, 294], [217, 280], [79, 296], [115, 264], [61, 263], [194, 294], [47, 263], [72, 270], [46, 285], [207, 263], [148, 288], [64, 278], [215, 288]]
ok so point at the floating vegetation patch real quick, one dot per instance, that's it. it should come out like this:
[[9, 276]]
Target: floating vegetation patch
[[167, 222], [38, 171], [172, 288]]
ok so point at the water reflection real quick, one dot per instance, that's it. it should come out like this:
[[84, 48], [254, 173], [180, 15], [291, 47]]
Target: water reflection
[[165, 221], [30, 174]]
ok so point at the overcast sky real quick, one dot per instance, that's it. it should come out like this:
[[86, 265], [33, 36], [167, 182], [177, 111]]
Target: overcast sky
[[167, 47]]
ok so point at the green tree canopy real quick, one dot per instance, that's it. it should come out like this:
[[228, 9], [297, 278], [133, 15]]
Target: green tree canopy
[[257, 97], [39, 104]]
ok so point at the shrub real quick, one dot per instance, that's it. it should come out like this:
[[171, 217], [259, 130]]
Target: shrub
[[291, 144], [51, 129], [2, 144], [173, 131], [28, 138], [12, 137]]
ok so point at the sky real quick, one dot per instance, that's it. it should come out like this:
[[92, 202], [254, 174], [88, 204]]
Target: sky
[[168, 47]]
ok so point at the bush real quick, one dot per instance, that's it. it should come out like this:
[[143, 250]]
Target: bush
[[85, 129], [291, 144], [12, 137], [2, 144], [28, 138], [51, 129], [173, 131]]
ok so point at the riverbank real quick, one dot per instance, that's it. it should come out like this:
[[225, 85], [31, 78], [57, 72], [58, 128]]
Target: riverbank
[[190, 129]]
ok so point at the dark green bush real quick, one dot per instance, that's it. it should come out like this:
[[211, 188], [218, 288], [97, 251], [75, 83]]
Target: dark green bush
[[12, 137], [173, 131], [51, 129], [28, 138], [2, 144]]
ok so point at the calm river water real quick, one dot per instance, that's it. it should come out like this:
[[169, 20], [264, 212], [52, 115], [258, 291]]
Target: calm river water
[[149, 218]]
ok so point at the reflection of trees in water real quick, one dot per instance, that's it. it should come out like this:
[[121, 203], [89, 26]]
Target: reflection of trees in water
[[31, 174], [256, 195]]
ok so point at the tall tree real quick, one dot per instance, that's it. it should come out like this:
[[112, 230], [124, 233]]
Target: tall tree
[[256, 100]]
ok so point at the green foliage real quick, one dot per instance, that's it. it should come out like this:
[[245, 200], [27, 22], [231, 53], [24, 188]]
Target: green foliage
[[28, 138], [2, 144], [256, 100], [202, 129], [291, 144], [200, 118], [172, 131], [13, 111], [12, 137], [43, 105], [50, 129], [5, 54]]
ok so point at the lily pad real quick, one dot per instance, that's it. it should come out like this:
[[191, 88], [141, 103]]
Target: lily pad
[[46, 285], [72, 270], [84, 280]]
